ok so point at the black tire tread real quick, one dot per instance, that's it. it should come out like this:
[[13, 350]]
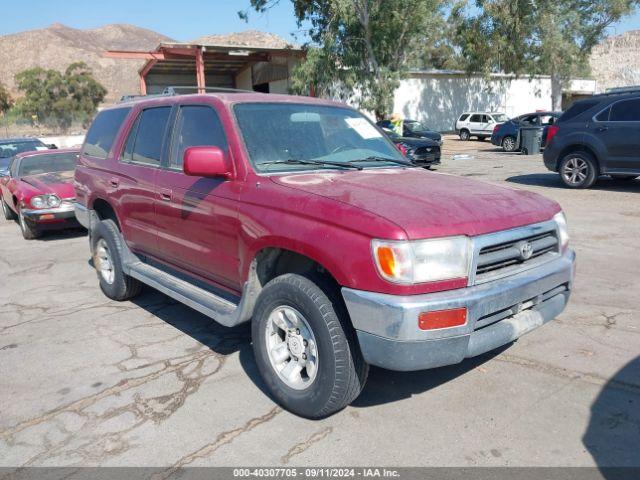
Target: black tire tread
[[125, 287], [9, 214]]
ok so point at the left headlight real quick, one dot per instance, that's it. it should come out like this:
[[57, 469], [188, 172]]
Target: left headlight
[[45, 201], [563, 231], [422, 261]]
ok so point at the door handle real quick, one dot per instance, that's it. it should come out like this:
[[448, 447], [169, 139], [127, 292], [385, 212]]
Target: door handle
[[165, 195], [603, 129], [114, 182]]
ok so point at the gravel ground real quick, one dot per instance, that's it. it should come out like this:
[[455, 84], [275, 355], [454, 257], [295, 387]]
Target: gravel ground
[[88, 381]]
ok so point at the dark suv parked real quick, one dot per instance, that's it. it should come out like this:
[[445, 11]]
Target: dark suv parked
[[597, 136]]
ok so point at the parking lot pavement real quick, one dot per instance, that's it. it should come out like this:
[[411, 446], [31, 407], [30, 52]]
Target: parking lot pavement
[[88, 381]]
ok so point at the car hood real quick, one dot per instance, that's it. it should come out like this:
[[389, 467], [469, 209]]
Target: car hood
[[428, 134], [427, 204], [59, 183]]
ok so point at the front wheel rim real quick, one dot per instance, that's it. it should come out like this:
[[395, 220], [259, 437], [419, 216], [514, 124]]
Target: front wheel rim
[[575, 171], [104, 262], [291, 347]]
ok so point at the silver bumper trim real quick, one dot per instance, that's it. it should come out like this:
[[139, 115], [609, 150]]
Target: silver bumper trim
[[387, 325], [83, 215], [63, 208]]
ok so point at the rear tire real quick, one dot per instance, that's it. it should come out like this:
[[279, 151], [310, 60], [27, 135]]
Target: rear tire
[[328, 372], [7, 212], [509, 144], [578, 170], [107, 247], [465, 135], [29, 231]]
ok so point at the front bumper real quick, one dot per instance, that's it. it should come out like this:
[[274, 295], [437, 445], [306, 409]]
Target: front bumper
[[498, 312], [63, 213]]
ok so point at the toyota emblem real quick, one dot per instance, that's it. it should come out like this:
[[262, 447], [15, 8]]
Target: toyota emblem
[[526, 250]]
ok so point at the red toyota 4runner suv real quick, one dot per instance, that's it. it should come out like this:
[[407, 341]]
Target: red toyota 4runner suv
[[299, 215]]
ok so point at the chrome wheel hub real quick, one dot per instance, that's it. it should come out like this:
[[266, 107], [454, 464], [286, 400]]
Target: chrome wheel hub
[[509, 143], [575, 171], [103, 262], [291, 347]]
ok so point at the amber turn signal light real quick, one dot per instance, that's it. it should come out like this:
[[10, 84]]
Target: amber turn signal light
[[442, 319]]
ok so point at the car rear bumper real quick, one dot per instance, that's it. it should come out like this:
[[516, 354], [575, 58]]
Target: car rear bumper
[[387, 325]]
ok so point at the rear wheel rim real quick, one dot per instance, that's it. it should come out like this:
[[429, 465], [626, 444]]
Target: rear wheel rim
[[291, 347], [575, 171], [104, 262], [509, 144]]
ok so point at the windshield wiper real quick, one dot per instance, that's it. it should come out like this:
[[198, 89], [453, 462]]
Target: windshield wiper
[[297, 161], [375, 158]]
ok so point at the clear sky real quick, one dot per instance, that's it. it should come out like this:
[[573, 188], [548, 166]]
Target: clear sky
[[179, 19]]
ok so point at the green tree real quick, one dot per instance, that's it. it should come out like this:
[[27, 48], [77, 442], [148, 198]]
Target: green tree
[[6, 102], [361, 47], [553, 37], [59, 98]]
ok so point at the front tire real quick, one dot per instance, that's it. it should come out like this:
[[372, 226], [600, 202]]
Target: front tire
[[465, 135], [107, 247], [578, 170], [305, 347], [7, 212], [509, 144], [29, 230]]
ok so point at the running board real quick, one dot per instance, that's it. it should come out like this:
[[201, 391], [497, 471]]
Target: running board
[[219, 309]]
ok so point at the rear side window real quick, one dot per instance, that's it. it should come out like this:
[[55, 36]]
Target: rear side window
[[103, 131], [578, 108], [625, 111], [197, 126], [144, 144], [463, 117]]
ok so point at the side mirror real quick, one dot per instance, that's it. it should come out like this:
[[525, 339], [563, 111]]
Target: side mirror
[[206, 162]]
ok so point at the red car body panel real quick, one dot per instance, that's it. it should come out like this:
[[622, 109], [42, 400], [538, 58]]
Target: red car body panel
[[17, 192], [213, 228]]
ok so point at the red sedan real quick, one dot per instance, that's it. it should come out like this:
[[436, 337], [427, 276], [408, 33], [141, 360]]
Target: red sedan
[[38, 190]]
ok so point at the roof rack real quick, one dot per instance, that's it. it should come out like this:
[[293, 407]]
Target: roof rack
[[183, 90], [620, 90]]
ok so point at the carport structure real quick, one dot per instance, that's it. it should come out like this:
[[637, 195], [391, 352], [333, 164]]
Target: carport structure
[[189, 65]]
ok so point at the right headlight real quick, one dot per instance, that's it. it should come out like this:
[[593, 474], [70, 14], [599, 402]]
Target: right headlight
[[39, 201], [419, 261], [563, 231]]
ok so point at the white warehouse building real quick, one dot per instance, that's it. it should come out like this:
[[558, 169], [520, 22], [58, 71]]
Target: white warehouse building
[[437, 97]]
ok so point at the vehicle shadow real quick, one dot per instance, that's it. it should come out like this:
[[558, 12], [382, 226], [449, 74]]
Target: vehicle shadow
[[552, 180], [65, 234], [613, 434], [383, 386]]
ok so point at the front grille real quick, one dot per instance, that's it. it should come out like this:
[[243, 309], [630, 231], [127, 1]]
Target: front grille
[[508, 257]]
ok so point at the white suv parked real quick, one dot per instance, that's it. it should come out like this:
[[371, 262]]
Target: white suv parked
[[478, 124]]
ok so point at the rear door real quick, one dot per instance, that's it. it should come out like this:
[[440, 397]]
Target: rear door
[[134, 184], [618, 127], [197, 216]]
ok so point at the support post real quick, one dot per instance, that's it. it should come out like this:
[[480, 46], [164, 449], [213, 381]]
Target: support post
[[200, 70]]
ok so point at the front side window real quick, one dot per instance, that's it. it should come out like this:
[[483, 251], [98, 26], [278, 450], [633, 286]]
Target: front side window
[[293, 137], [103, 131], [50, 163], [476, 118], [144, 144], [197, 126], [625, 111]]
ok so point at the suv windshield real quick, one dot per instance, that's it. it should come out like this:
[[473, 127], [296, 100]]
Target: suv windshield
[[282, 137], [57, 162]]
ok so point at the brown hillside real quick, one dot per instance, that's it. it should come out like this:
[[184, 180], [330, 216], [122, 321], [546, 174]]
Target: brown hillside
[[57, 46], [616, 61]]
